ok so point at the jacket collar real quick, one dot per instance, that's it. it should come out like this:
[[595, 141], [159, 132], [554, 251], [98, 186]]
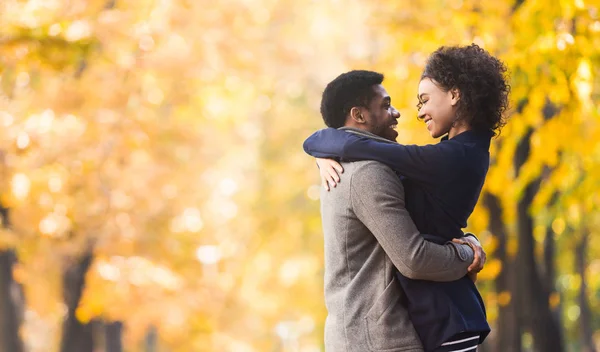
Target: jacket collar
[[472, 137]]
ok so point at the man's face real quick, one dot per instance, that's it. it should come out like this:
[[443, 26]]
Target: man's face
[[380, 116]]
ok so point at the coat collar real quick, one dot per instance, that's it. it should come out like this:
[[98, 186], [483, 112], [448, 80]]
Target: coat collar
[[365, 134]]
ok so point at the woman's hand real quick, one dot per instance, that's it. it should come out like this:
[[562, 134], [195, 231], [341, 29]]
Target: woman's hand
[[330, 171]]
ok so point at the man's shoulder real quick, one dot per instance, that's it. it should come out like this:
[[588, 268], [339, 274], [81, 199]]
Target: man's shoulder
[[368, 172], [369, 167]]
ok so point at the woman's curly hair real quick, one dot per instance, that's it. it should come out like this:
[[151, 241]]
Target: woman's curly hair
[[481, 80]]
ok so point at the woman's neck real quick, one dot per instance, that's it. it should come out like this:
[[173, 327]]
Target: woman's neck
[[456, 130]]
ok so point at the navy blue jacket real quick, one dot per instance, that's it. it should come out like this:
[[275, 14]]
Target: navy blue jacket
[[442, 183]]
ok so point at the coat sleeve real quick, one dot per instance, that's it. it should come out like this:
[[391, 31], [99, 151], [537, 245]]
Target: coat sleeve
[[377, 197]]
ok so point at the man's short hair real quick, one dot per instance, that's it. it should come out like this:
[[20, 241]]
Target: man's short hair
[[348, 90]]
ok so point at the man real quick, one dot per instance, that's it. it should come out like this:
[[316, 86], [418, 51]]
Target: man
[[369, 233]]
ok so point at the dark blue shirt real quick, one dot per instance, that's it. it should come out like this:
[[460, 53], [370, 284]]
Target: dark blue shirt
[[442, 184]]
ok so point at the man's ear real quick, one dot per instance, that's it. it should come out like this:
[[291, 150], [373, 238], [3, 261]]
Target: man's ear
[[454, 96], [357, 115]]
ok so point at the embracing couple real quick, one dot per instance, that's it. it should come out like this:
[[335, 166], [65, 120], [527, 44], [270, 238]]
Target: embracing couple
[[399, 271]]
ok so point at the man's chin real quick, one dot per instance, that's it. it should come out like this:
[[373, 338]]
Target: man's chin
[[391, 137], [389, 133]]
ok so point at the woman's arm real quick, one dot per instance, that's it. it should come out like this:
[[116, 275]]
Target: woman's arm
[[327, 143], [421, 163]]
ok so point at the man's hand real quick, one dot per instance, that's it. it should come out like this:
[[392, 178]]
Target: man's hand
[[479, 255], [330, 171]]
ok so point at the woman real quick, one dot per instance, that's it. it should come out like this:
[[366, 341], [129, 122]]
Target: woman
[[463, 95]]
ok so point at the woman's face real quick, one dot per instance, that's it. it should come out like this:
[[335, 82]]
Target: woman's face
[[437, 108]]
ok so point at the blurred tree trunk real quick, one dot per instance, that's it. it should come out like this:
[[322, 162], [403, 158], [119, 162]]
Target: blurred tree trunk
[[550, 272], [549, 255], [151, 338], [114, 332], [549, 277], [585, 318], [11, 305], [11, 298], [76, 336], [508, 328], [533, 295]]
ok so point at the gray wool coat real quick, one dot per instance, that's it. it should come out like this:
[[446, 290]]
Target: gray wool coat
[[367, 234]]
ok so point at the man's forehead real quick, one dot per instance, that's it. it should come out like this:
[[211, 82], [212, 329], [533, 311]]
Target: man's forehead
[[380, 91]]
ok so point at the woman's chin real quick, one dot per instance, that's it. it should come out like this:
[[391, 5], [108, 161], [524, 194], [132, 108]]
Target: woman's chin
[[433, 134], [432, 131]]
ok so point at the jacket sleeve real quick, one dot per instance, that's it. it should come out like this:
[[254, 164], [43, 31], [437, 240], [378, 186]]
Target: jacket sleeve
[[377, 197], [326, 143], [424, 164]]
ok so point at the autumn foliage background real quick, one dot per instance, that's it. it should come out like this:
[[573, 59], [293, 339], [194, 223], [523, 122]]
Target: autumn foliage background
[[155, 197]]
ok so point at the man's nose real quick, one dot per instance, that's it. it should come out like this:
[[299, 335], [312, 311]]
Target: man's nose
[[396, 113]]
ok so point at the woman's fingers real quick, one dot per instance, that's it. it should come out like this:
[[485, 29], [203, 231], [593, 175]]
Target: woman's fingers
[[327, 180], [331, 167], [333, 174], [329, 170], [324, 182], [331, 179]]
